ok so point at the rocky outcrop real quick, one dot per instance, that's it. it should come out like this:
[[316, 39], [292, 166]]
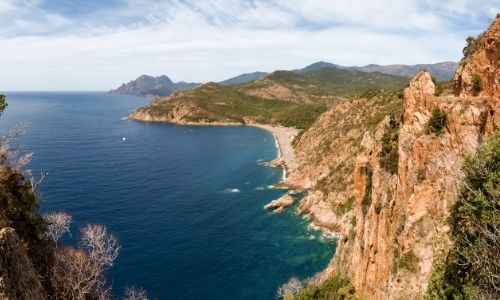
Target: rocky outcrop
[[395, 229], [280, 204], [482, 65], [18, 278], [146, 85], [402, 231]]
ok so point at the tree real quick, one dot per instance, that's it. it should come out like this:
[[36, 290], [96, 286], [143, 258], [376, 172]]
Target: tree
[[58, 225], [135, 293], [470, 47], [291, 288], [81, 273], [3, 104]]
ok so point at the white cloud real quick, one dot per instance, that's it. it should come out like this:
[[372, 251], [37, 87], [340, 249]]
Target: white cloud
[[201, 41]]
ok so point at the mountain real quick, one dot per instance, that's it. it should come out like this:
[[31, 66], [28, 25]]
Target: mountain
[[282, 98], [244, 78], [162, 86], [442, 71], [146, 85], [316, 66]]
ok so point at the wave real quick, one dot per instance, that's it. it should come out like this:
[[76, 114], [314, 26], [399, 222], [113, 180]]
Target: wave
[[259, 188], [228, 191]]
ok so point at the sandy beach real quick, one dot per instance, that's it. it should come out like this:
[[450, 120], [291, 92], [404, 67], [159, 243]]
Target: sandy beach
[[284, 136]]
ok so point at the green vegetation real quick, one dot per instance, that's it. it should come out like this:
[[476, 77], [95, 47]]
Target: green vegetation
[[437, 121], [334, 288], [439, 86], [282, 98], [472, 267], [18, 201], [215, 103], [345, 128], [389, 156], [471, 46], [367, 197], [296, 139], [3, 104], [349, 84], [345, 207], [408, 261], [477, 83]]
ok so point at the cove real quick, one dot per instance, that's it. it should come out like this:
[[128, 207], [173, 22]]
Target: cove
[[186, 202]]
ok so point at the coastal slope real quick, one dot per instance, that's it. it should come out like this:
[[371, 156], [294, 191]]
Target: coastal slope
[[388, 188], [281, 99]]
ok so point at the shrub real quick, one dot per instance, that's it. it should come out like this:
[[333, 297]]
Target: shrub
[[434, 80], [367, 197], [346, 206], [439, 89], [409, 261], [437, 120], [378, 207], [477, 83], [334, 288], [389, 156], [421, 175]]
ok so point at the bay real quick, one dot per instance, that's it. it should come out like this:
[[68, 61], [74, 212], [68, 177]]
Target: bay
[[186, 202]]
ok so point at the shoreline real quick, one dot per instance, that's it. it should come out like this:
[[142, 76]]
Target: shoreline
[[283, 137]]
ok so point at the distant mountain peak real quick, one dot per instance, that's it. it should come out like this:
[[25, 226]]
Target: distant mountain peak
[[147, 85]]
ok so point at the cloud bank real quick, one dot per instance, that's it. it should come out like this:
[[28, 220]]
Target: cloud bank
[[97, 45]]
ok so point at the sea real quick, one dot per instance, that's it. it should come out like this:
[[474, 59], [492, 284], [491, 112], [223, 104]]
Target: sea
[[185, 202]]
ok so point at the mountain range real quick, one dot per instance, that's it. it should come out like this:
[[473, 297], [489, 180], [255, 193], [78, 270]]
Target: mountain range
[[162, 86]]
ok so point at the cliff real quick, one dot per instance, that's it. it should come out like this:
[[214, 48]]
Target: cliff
[[18, 278], [146, 85], [391, 220], [478, 72], [392, 215]]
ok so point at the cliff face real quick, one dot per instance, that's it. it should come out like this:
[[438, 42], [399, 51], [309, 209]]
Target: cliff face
[[18, 278], [482, 62], [396, 227], [403, 231], [392, 222]]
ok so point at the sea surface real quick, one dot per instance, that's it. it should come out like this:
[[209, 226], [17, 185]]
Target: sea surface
[[186, 202]]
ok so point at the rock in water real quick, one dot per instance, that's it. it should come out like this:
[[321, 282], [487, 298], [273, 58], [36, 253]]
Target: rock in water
[[280, 203]]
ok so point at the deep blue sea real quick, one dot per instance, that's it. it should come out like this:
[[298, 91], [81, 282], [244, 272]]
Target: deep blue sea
[[186, 202]]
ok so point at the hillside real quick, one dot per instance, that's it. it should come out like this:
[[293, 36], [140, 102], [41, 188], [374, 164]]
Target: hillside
[[146, 85], [386, 173], [243, 78], [283, 98]]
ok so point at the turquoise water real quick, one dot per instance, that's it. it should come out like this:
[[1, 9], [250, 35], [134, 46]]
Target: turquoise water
[[186, 202]]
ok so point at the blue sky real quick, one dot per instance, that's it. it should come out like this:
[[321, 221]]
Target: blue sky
[[99, 44]]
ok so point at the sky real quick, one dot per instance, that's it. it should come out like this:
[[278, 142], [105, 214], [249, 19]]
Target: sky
[[96, 45]]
